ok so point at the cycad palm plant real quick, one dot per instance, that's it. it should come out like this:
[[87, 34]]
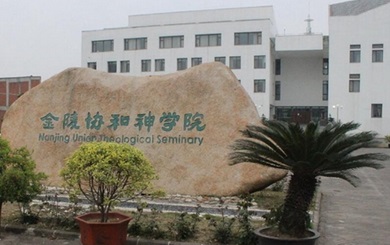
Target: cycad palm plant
[[307, 153]]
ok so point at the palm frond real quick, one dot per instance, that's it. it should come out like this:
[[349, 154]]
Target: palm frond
[[347, 176], [308, 153], [306, 150], [362, 160], [245, 150]]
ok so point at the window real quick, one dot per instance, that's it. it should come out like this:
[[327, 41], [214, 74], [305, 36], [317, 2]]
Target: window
[[135, 43], [325, 90], [277, 90], [259, 62], [354, 83], [111, 66], [377, 53], [220, 59], [91, 65], [172, 42], [159, 65], [146, 65], [259, 86], [207, 40], [235, 62], [354, 53], [181, 64], [376, 110], [102, 46], [278, 65], [125, 66], [196, 61], [247, 38], [325, 66]]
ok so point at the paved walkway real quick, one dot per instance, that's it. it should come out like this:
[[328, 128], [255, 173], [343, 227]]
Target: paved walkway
[[357, 216], [348, 215]]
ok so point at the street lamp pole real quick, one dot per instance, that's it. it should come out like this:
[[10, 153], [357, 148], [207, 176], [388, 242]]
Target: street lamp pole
[[338, 108], [259, 107]]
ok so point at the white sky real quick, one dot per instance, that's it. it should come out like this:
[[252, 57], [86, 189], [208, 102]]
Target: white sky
[[43, 37]]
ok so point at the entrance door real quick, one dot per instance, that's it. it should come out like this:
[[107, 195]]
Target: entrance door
[[301, 116]]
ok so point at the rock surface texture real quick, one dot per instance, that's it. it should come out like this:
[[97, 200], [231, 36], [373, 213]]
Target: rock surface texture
[[184, 122]]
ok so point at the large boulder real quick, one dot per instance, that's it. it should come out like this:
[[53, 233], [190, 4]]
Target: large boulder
[[184, 122]]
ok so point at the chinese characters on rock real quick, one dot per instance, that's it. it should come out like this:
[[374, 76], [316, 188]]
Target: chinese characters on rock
[[142, 121]]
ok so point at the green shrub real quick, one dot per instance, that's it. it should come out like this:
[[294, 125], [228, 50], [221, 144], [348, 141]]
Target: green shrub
[[18, 180], [185, 225], [106, 172], [387, 138], [245, 228], [152, 227], [223, 232]]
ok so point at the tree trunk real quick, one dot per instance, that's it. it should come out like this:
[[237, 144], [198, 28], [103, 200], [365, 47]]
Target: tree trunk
[[295, 218], [1, 210]]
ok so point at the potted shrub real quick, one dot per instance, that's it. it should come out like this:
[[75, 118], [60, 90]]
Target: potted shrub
[[306, 153], [106, 173]]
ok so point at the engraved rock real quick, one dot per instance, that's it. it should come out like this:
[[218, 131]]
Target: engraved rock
[[184, 122]]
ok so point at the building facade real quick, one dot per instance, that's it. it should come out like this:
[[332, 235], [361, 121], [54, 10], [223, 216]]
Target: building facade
[[164, 43], [11, 88], [359, 71], [300, 78]]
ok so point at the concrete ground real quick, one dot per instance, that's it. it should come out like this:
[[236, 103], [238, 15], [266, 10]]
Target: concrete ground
[[347, 215], [357, 216]]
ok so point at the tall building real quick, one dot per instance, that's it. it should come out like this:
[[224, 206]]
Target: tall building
[[164, 43], [301, 78], [12, 88], [359, 71]]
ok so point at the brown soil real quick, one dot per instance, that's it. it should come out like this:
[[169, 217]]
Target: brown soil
[[9, 210]]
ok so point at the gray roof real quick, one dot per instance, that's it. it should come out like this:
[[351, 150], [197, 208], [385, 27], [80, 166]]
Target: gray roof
[[355, 7]]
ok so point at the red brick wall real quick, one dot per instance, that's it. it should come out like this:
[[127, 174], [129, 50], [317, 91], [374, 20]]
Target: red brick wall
[[2, 112], [3, 85], [23, 87], [35, 83], [3, 95], [16, 89]]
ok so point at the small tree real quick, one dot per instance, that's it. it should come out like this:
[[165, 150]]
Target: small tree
[[18, 180], [307, 153], [106, 172]]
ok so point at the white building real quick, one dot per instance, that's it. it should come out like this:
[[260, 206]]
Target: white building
[[301, 83], [359, 71], [164, 43], [286, 76]]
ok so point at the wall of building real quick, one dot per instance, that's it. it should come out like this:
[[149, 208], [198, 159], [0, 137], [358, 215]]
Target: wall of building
[[226, 22], [365, 29], [301, 57], [301, 82], [203, 16], [11, 88]]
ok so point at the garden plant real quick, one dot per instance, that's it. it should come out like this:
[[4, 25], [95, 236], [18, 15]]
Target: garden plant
[[19, 182], [307, 153], [106, 173]]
